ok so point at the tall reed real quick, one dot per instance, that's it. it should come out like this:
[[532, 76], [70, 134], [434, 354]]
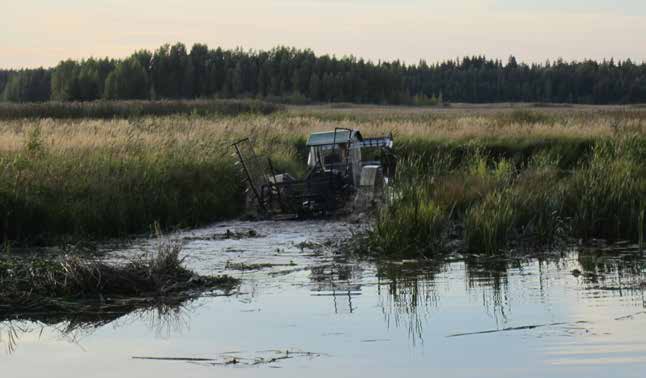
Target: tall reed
[[559, 169], [497, 204], [412, 223]]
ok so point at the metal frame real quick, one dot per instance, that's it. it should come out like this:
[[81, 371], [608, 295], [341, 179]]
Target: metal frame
[[246, 170], [320, 192]]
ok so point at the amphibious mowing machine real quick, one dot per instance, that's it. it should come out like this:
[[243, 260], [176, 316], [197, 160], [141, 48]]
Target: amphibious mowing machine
[[345, 171]]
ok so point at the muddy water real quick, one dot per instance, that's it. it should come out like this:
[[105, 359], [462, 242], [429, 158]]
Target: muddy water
[[307, 310]]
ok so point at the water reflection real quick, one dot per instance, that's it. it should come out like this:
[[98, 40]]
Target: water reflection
[[407, 294], [339, 280], [164, 320], [618, 269], [410, 292], [530, 313]]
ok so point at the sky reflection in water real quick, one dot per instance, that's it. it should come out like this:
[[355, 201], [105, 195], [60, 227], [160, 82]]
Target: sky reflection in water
[[319, 311]]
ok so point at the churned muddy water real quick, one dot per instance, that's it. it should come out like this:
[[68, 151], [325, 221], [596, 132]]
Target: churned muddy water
[[304, 309]]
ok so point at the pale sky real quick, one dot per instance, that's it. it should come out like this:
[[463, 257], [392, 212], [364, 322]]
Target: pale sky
[[41, 33]]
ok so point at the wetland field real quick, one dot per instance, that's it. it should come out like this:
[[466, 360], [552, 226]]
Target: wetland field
[[510, 243]]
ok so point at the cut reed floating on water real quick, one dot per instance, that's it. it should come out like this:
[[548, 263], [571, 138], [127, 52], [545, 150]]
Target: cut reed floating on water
[[71, 283]]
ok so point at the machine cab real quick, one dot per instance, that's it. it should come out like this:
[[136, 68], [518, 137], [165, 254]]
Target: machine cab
[[346, 152]]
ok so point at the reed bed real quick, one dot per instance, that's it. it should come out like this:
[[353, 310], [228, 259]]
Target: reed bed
[[493, 205], [102, 178], [130, 109]]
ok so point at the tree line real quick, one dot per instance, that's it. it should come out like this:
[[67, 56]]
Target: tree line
[[300, 76]]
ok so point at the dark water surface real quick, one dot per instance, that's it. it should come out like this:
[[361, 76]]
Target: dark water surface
[[579, 312]]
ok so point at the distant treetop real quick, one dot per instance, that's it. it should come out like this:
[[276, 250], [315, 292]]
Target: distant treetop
[[299, 76]]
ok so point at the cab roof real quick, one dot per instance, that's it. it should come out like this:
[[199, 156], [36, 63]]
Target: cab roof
[[333, 137]]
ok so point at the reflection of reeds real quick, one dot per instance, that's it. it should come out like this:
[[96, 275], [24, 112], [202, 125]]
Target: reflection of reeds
[[490, 275], [619, 269], [410, 291], [408, 294], [11, 334], [164, 319]]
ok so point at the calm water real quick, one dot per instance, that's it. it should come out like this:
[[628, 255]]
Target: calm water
[[316, 310]]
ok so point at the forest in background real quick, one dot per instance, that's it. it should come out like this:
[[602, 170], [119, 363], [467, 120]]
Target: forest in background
[[296, 76]]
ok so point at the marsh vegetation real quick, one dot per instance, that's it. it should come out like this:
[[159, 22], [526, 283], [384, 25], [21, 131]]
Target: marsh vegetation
[[133, 109], [497, 197], [483, 179]]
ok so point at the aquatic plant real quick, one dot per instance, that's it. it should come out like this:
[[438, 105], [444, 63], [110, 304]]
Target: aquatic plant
[[605, 193], [538, 199], [410, 223], [488, 225], [417, 227]]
